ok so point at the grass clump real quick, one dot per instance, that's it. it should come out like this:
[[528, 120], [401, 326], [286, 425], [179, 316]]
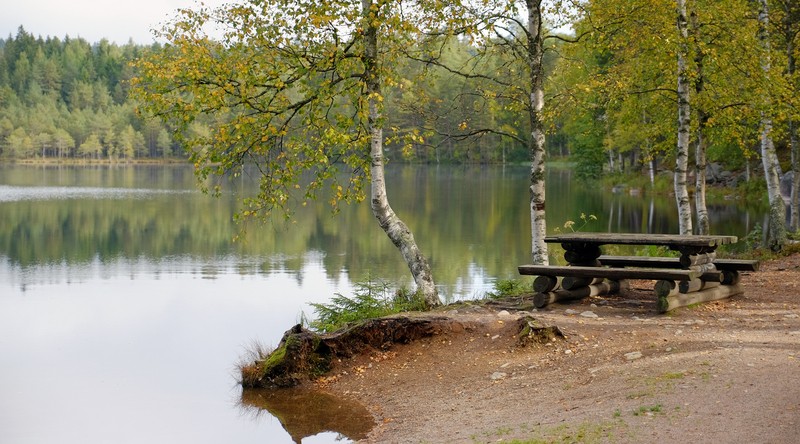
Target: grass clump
[[648, 410], [371, 299], [510, 287], [250, 366]]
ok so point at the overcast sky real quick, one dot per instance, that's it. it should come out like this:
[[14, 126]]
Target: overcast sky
[[115, 20]]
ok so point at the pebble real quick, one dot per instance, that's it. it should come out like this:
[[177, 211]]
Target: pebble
[[632, 356], [503, 313], [589, 314], [570, 311], [496, 376]]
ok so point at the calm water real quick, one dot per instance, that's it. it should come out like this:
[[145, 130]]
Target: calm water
[[124, 305]]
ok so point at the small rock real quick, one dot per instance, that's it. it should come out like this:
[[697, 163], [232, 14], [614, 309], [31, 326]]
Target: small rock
[[495, 337], [497, 376], [503, 313], [791, 316], [589, 314], [570, 311], [567, 352], [632, 356]]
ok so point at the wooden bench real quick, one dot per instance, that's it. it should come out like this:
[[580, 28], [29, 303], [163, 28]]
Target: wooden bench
[[730, 268], [674, 262], [619, 273]]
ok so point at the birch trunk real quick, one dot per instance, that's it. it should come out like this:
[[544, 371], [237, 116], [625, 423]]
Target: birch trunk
[[701, 209], [776, 233], [537, 149], [793, 144], [795, 199], [391, 224], [703, 223], [684, 123]]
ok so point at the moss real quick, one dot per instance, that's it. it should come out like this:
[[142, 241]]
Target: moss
[[532, 332], [274, 359]]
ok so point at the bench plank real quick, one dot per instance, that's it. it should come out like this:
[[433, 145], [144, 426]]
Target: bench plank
[[669, 240], [613, 273], [674, 262]]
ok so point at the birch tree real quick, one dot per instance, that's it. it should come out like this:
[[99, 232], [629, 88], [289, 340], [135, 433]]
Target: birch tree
[[701, 137], [684, 123], [295, 89], [534, 53], [507, 73], [789, 32], [776, 237]]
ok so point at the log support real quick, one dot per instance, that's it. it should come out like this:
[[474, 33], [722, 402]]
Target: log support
[[541, 300], [673, 301]]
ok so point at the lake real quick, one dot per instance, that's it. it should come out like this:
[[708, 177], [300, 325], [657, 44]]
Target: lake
[[125, 306]]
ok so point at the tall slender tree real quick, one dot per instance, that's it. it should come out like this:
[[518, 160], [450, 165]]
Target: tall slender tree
[[684, 123], [777, 211], [294, 88], [534, 59]]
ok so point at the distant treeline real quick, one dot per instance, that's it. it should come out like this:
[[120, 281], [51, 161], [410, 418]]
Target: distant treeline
[[68, 99]]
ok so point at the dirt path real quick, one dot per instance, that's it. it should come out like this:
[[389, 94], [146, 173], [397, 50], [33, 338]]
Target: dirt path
[[726, 371]]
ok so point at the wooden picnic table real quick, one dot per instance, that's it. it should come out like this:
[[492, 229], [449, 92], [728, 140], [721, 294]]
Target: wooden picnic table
[[585, 247], [695, 276]]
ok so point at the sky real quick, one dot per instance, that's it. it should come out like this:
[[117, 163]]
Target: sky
[[115, 20]]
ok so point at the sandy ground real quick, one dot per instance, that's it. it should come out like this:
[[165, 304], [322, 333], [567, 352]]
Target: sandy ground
[[721, 372]]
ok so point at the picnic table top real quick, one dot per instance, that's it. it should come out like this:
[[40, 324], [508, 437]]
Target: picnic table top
[[669, 240]]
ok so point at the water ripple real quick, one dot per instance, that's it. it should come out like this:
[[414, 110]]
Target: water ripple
[[9, 193]]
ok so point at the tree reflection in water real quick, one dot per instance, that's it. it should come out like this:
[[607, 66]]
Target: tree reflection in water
[[304, 412]]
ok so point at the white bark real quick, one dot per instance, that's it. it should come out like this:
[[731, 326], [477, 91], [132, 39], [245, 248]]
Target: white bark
[[795, 197], [684, 123], [701, 209], [537, 148], [776, 233], [703, 223], [391, 224], [794, 144]]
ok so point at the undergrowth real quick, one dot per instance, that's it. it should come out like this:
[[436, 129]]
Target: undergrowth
[[510, 287], [371, 299]]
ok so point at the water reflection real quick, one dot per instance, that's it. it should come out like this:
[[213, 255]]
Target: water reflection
[[122, 278], [305, 413]]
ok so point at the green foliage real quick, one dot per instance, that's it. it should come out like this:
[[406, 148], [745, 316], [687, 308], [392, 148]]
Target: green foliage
[[618, 83], [371, 299], [753, 189], [509, 287], [656, 251], [65, 99], [648, 410]]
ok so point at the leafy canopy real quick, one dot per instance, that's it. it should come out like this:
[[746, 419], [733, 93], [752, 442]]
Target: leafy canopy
[[281, 87]]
